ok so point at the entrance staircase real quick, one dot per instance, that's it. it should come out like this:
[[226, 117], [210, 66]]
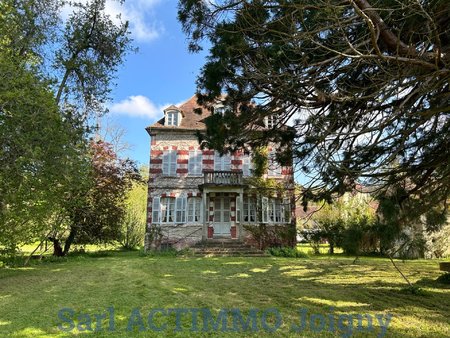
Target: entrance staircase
[[226, 248]]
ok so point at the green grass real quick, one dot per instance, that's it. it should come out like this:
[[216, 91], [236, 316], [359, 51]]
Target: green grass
[[30, 298], [323, 249]]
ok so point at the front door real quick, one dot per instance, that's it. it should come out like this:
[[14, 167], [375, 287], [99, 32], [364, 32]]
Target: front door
[[222, 221]]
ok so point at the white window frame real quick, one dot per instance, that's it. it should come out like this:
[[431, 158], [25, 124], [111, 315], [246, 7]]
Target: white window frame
[[195, 164], [247, 165], [274, 168], [167, 207], [271, 121], [172, 118], [222, 163], [156, 210], [194, 210], [264, 209], [249, 209], [286, 211], [180, 210], [169, 165], [169, 210]]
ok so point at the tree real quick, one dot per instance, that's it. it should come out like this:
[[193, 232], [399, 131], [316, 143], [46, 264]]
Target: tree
[[363, 83], [55, 76], [97, 208], [133, 225]]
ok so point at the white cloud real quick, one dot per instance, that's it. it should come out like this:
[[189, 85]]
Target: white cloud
[[140, 106], [139, 13], [137, 106]]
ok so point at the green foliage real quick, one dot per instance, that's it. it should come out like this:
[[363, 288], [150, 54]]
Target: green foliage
[[271, 235], [329, 68], [54, 76], [444, 278], [349, 223], [134, 222], [286, 252]]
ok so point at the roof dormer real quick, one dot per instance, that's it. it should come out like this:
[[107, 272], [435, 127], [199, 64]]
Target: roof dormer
[[172, 116], [220, 108]]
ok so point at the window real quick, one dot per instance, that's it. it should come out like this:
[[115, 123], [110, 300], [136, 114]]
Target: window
[[220, 109], [169, 210], [249, 209], [195, 162], [274, 167], [286, 211], [194, 210], [180, 210], [271, 121], [172, 118], [170, 163], [155, 210], [247, 165], [222, 163], [275, 210]]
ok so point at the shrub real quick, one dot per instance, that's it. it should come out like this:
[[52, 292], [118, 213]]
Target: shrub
[[444, 279], [285, 251]]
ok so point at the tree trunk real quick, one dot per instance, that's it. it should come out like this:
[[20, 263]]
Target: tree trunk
[[57, 249], [69, 240]]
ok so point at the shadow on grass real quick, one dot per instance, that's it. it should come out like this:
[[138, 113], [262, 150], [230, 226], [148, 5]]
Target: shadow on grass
[[127, 280]]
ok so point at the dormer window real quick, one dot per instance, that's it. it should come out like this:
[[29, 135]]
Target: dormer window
[[221, 109], [173, 116], [271, 121]]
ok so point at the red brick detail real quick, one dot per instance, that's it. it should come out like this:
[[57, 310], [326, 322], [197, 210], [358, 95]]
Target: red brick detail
[[172, 194], [156, 161], [236, 170], [153, 141], [155, 153], [211, 218], [149, 209], [236, 162], [183, 152], [210, 232], [164, 195], [189, 194], [211, 208], [199, 194], [233, 232], [191, 148], [182, 161], [233, 208], [174, 147], [166, 147], [208, 161], [182, 171], [233, 218], [155, 171], [208, 152]]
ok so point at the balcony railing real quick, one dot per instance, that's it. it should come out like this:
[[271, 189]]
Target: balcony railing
[[223, 177]]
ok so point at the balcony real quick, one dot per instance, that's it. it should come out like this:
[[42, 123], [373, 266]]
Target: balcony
[[222, 178]]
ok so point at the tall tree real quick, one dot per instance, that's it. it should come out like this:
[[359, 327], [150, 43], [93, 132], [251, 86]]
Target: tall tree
[[55, 76], [364, 84], [97, 207]]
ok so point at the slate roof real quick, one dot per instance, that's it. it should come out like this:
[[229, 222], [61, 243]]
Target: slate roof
[[191, 120]]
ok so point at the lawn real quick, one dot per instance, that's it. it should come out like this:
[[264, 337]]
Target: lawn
[[276, 292]]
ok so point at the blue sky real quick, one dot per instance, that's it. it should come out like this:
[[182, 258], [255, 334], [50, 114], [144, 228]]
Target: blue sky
[[162, 72]]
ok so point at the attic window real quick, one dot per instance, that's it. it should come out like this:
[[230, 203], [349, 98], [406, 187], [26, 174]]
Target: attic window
[[271, 121], [172, 118], [221, 109]]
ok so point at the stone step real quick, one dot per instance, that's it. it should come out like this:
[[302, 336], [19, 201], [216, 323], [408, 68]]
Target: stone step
[[231, 254]]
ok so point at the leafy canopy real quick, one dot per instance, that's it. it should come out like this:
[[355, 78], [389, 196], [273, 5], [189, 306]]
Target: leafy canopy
[[363, 83]]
